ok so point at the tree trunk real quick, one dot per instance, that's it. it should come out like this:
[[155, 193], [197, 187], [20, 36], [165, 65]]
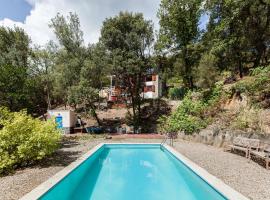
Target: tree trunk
[[240, 67], [48, 97], [95, 115], [190, 80], [134, 113], [138, 98], [260, 49], [188, 72]]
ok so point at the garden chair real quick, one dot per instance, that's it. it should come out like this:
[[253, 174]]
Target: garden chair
[[240, 144]]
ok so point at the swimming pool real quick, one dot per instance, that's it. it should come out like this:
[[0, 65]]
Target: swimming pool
[[134, 172]]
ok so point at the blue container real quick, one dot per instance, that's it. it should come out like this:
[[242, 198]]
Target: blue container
[[94, 129], [59, 121]]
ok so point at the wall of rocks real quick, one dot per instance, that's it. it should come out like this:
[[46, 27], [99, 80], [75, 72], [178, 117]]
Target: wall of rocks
[[215, 136]]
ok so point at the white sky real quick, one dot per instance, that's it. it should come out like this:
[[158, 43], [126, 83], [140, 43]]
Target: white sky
[[91, 13]]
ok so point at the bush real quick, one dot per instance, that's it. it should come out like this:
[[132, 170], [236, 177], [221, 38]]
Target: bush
[[24, 139], [256, 86], [194, 113], [247, 119], [188, 117], [177, 93]]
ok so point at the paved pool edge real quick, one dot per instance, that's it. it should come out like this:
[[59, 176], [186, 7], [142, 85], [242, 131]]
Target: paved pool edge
[[216, 183]]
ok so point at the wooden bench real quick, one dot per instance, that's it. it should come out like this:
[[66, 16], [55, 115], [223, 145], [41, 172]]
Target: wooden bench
[[241, 144], [252, 147], [263, 152]]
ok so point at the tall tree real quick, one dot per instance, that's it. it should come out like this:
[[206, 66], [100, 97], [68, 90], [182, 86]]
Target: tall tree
[[71, 56], [128, 39], [79, 70], [239, 32], [14, 53], [179, 21], [68, 32], [42, 65], [95, 68]]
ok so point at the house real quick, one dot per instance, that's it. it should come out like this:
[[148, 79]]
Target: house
[[152, 87], [117, 93]]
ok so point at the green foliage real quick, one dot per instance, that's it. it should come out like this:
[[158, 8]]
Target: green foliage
[[20, 84], [128, 39], [238, 32], [68, 32], [23, 139], [247, 119], [214, 95], [194, 112], [256, 85], [179, 20], [207, 72], [85, 96], [187, 118], [188, 115], [177, 93], [14, 47], [71, 56], [95, 69], [235, 40], [179, 31], [261, 71]]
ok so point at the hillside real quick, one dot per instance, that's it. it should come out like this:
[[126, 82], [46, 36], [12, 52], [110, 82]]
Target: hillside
[[215, 116]]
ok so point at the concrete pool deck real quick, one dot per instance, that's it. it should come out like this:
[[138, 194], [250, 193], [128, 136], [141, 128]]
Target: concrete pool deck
[[248, 178]]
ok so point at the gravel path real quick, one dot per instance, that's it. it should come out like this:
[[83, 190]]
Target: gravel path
[[249, 178]]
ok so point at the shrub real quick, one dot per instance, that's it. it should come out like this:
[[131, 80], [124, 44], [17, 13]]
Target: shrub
[[194, 113], [247, 119], [187, 117], [24, 139], [255, 86], [177, 93]]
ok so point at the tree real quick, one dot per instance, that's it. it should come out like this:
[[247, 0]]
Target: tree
[[86, 96], [128, 40], [14, 53], [207, 72], [239, 32], [71, 55], [95, 68], [79, 70], [68, 32], [179, 29], [42, 65]]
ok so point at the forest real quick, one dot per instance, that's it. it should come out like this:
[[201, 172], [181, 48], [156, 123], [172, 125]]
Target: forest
[[234, 44]]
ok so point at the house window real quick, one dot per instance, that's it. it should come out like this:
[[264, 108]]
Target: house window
[[148, 78], [150, 88]]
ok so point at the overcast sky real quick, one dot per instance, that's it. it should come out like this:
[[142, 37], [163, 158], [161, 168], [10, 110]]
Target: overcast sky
[[34, 15]]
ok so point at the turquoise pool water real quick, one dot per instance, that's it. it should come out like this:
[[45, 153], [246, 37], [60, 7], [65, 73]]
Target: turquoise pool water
[[132, 172]]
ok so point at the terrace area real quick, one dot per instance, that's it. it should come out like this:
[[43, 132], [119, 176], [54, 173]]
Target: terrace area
[[248, 178]]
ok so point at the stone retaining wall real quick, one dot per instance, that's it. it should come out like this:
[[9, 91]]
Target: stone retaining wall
[[221, 138]]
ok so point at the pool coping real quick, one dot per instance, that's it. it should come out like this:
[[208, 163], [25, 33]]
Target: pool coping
[[213, 181]]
